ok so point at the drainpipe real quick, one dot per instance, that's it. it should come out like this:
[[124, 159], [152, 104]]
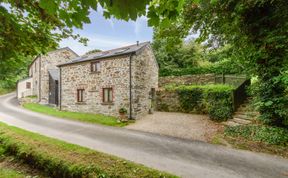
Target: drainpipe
[[39, 79], [130, 86], [60, 88]]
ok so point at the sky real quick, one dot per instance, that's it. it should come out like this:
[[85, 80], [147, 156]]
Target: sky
[[107, 34]]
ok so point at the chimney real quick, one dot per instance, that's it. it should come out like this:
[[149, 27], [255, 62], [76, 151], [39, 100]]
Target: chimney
[[137, 43]]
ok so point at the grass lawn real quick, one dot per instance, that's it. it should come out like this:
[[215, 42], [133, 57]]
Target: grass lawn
[[10, 173], [60, 159], [84, 117]]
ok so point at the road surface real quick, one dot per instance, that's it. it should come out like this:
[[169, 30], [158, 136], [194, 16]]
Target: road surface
[[177, 156]]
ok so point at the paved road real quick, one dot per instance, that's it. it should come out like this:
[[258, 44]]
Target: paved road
[[181, 157]]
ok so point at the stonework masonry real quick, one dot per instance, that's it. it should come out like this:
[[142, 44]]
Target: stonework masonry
[[38, 70], [199, 79], [145, 76], [114, 73]]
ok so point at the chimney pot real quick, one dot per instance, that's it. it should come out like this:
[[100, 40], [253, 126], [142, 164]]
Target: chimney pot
[[137, 43]]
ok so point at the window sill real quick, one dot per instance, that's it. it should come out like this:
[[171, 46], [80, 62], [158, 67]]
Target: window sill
[[80, 103], [95, 72], [107, 103]]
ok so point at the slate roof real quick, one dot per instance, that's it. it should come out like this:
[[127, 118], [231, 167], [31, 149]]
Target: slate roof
[[110, 53], [54, 73], [50, 52]]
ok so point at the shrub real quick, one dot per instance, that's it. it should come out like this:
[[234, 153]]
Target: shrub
[[215, 100], [266, 134]]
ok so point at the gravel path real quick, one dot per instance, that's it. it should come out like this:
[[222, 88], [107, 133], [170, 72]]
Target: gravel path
[[187, 126]]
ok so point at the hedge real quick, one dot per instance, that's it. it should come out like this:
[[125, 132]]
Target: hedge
[[60, 159], [214, 100]]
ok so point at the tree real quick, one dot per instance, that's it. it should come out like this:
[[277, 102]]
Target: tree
[[93, 51], [258, 30], [30, 27], [183, 54]]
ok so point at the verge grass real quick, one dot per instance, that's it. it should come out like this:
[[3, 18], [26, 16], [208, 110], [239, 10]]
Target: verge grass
[[60, 159], [83, 117]]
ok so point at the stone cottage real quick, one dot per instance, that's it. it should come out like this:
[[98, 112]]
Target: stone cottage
[[106, 81], [44, 75]]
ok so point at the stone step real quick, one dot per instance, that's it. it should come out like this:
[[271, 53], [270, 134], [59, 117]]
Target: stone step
[[247, 112], [231, 123], [241, 121], [242, 116]]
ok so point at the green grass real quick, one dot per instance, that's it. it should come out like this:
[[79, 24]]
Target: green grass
[[83, 117], [60, 159], [10, 173]]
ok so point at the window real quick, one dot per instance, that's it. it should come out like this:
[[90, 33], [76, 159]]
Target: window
[[95, 66], [28, 85], [107, 95], [80, 95]]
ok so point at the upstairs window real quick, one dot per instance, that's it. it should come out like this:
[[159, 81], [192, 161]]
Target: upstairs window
[[80, 95], [107, 95], [28, 85], [95, 66]]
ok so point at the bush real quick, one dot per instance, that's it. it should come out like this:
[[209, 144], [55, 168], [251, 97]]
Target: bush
[[215, 100], [266, 134]]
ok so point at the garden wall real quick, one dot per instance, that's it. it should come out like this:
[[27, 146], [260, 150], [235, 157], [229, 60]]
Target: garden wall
[[214, 100], [202, 79], [187, 80]]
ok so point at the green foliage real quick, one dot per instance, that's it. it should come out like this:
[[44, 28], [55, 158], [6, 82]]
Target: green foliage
[[93, 51], [84, 117], [60, 159], [185, 55], [30, 28], [215, 100], [123, 110], [12, 70], [11, 173], [266, 134], [257, 31], [221, 67]]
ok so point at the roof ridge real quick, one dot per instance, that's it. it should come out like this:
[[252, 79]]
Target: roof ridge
[[118, 48]]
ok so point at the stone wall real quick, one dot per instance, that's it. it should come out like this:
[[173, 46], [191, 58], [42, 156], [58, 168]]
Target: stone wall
[[34, 72], [38, 70], [114, 73], [145, 77], [167, 101], [50, 61], [22, 90], [199, 79]]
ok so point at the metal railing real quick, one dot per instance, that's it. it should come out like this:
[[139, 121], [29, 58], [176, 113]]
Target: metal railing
[[239, 94]]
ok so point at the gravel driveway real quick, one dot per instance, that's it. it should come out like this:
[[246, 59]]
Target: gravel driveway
[[188, 126]]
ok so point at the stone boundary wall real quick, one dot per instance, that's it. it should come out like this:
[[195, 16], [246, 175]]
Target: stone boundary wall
[[167, 101], [200, 79]]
